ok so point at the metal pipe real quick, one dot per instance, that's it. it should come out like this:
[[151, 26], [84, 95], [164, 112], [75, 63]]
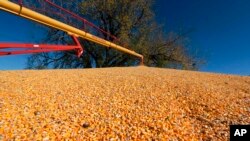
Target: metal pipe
[[37, 17]]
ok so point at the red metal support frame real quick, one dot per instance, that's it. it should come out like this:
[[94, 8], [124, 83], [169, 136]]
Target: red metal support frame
[[38, 48]]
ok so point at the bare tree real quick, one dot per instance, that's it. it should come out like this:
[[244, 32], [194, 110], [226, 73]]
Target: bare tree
[[133, 23]]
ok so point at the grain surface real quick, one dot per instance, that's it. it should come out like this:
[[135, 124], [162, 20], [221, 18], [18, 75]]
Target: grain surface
[[136, 103]]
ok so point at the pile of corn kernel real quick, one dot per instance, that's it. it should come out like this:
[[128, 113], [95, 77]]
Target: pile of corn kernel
[[136, 103]]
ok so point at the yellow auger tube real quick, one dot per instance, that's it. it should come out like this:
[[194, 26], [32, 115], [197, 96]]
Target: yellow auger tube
[[32, 15]]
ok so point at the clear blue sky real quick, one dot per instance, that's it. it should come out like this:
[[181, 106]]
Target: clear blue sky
[[221, 32]]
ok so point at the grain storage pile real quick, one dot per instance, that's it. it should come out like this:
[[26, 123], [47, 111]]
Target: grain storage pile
[[136, 103]]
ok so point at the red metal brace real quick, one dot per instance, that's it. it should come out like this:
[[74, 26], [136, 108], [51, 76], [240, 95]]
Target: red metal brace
[[37, 48], [79, 49]]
